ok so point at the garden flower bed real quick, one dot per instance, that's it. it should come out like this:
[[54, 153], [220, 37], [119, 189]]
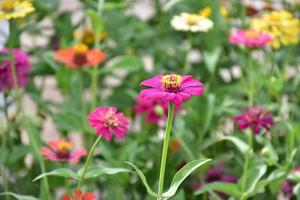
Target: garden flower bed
[[149, 99]]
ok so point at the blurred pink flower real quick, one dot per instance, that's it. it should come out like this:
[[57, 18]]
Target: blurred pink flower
[[22, 67], [216, 174], [107, 121], [155, 109], [287, 188], [60, 150], [256, 118], [249, 38], [172, 87]]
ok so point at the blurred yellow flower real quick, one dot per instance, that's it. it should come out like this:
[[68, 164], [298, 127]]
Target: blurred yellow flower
[[12, 9], [281, 25], [206, 12], [88, 37]]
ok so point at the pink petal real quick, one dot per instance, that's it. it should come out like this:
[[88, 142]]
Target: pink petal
[[152, 82]]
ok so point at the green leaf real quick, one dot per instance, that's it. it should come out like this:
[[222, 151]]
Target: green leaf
[[227, 188], [18, 196], [253, 176], [182, 174], [128, 62], [48, 57], [241, 145], [96, 21], [94, 171], [143, 178], [61, 172], [211, 59], [170, 4]]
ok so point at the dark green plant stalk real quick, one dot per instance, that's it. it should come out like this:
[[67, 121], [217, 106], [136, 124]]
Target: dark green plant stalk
[[88, 161], [32, 136], [165, 150], [246, 165]]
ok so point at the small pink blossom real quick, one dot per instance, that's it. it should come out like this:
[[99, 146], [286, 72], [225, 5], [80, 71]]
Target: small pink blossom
[[107, 121], [256, 118], [60, 150], [22, 68], [172, 87], [249, 38]]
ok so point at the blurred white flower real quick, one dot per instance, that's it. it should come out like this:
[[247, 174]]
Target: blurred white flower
[[191, 22], [4, 32]]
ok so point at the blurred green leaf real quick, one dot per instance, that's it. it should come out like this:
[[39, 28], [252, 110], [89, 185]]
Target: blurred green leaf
[[95, 171], [227, 188], [130, 63], [61, 172], [241, 145], [182, 174], [253, 176], [143, 178], [211, 59], [97, 23], [18, 197]]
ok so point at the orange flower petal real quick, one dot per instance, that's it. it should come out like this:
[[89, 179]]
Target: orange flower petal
[[66, 56], [95, 57]]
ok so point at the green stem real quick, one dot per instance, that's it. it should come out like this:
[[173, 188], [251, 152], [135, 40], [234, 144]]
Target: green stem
[[13, 67], [246, 165], [83, 107], [4, 145], [165, 150], [41, 161], [88, 161]]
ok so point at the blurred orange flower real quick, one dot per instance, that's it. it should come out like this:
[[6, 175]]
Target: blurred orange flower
[[79, 56]]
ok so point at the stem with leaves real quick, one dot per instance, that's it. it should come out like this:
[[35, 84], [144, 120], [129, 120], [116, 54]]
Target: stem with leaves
[[88, 161], [165, 149], [248, 156]]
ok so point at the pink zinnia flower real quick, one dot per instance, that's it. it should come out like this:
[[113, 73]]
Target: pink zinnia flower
[[60, 150], [78, 195], [22, 67], [155, 109], [287, 189], [249, 38], [256, 118], [107, 121], [172, 87]]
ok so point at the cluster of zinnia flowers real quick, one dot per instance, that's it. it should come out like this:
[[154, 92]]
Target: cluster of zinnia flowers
[[172, 87], [108, 121], [281, 25], [78, 195], [79, 56], [249, 38], [191, 22], [61, 151], [22, 67], [12, 9], [255, 118]]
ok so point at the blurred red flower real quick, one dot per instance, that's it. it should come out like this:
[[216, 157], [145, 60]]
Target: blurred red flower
[[78, 195]]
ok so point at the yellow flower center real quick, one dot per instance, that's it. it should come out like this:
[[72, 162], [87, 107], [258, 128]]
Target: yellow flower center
[[251, 34], [7, 6], [81, 48], [171, 83], [111, 120], [193, 19], [63, 149]]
